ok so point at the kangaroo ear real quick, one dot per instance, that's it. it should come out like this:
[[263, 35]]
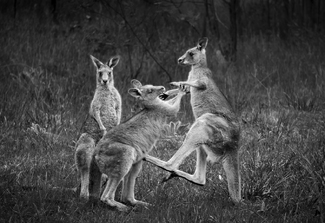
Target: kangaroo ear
[[113, 61], [202, 43], [96, 62], [136, 83], [134, 92]]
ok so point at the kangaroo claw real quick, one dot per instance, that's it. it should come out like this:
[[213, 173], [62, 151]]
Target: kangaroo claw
[[174, 84]]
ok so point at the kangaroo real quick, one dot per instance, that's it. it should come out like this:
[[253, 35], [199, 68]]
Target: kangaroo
[[104, 113], [106, 105], [215, 133], [119, 154]]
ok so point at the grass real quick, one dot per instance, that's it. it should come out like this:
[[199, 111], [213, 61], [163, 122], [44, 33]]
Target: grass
[[47, 82]]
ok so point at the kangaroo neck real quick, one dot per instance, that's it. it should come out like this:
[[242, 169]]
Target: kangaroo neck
[[108, 87], [198, 71], [201, 64]]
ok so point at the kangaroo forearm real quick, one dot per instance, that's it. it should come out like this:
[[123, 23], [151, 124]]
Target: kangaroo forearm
[[118, 119], [175, 102], [197, 84], [172, 101], [119, 114], [99, 121], [172, 92], [176, 106]]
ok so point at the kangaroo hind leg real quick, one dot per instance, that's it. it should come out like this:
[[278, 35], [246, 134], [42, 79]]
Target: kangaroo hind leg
[[194, 137], [195, 140], [83, 156], [199, 176], [230, 164], [129, 183], [115, 161], [95, 180]]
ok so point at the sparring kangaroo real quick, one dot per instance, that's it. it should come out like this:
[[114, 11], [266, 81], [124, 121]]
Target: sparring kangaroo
[[104, 113], [214, 134], [119, 154]]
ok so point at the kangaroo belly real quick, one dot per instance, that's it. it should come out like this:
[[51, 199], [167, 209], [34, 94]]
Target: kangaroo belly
[[218, 136], [203, 102], [109, 117]]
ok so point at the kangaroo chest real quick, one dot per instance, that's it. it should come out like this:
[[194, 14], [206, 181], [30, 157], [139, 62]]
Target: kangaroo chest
[[209, 99], [201, 99]]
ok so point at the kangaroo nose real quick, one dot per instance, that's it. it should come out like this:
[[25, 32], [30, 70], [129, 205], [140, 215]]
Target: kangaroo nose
[[180, 60], [104, 81]]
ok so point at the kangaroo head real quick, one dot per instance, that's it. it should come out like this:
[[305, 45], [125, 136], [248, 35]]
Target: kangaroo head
[[104, 72], [195, 55], [147, 94]]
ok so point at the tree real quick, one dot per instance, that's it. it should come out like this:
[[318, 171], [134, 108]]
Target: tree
[[233, 13]]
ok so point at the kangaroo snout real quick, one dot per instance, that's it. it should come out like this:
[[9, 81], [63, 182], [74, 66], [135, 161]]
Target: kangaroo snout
[[181, 60], [161, 90], [105, 78]]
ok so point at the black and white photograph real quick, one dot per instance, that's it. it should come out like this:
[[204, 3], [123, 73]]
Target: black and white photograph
[[162, 111]]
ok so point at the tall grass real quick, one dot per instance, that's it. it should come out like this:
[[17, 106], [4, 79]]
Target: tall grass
[[47, 82]]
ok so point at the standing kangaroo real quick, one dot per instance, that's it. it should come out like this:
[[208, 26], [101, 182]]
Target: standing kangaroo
[[119, 154], [104, 113], [214, 134]]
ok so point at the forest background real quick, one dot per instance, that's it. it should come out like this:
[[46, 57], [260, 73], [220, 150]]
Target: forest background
[[267, 57]]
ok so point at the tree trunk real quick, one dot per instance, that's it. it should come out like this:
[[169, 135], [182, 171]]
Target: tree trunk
[[233, 11], [284, 17], [54, 11], [206, 15], [214, 24], [15, 8]]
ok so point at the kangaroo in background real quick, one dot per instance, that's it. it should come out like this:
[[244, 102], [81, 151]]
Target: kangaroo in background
[[119, 154], [104, 113], [214, 134], [106, 106]]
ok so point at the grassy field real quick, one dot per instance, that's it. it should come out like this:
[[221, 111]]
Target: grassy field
[[47, 82]]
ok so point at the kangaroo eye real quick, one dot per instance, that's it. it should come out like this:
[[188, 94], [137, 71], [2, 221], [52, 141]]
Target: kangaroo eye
[[191, 54], [149, 91]]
